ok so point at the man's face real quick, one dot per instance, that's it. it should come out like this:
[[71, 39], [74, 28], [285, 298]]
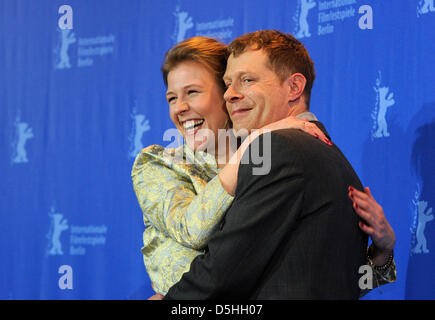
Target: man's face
[[255, 96]]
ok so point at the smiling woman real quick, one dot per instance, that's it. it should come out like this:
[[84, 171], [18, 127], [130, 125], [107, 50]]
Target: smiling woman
[[182, 203]]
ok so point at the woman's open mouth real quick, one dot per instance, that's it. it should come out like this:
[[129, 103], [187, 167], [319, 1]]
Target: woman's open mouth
[[192, 126]]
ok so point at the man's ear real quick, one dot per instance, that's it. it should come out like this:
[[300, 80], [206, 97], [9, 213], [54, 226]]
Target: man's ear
[[296, 84]]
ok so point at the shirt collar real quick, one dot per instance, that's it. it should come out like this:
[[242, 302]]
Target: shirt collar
[[307, 115]]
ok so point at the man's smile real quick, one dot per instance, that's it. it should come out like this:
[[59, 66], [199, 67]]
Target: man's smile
[[240, 112]]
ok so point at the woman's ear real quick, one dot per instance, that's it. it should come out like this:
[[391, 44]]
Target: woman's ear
[[296, 83]]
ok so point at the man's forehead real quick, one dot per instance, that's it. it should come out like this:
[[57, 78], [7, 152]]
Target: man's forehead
[[245, 61]]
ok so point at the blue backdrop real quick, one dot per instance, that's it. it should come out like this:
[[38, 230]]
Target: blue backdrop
[[77, 105]]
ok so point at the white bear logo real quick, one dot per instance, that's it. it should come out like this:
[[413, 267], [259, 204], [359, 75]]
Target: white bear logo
[[424, 7], [182, 24], [67, 38], [23, 133], [383, 102], [57, 226], [304, 28], [140, 126], [424, 216]]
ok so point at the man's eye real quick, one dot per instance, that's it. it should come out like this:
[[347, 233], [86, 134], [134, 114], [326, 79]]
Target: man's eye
[[247, 80], [171, 99], [192, 91]]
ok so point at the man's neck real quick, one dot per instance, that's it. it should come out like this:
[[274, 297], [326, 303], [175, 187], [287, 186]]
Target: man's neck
[[297, 107]]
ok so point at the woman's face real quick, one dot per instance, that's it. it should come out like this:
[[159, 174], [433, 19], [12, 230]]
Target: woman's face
[[196, 103]]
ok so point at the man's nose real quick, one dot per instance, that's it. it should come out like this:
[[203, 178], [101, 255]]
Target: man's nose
[[231, 95]]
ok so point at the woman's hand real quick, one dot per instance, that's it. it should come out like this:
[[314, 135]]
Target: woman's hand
[[376, 225], [301, 124], [157, 296]]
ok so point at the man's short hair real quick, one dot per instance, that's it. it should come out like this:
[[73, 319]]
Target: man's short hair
[[287, 55]]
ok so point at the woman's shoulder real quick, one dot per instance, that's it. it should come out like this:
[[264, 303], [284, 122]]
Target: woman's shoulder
[[154, 157], [155, 153], [153, 150]]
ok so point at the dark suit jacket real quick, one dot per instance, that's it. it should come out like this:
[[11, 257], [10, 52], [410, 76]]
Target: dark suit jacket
[[290, 234]]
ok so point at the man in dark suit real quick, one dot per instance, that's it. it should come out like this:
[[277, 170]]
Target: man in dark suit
[[292, 233]]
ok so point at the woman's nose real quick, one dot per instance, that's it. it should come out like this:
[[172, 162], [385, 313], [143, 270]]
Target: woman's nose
[[181, 107]]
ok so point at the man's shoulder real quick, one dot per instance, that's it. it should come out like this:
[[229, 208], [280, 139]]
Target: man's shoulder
[[290, 147], [291, 139], [287, 135], [292, 134], [272, 151], [282, 141]]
